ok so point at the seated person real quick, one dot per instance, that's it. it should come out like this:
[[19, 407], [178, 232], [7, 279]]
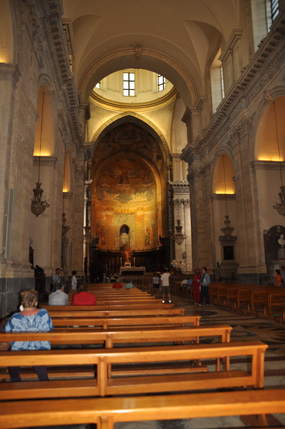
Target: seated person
[[59, 297], [83, 297], [117, 285], [183, 285], [129, 285], [277, 279], [30, 318]]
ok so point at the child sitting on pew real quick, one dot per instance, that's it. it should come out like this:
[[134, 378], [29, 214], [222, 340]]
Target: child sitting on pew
[[29, 319]]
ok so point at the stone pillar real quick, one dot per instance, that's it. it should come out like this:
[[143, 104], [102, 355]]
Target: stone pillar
[[183, 244], [67, 222], [78, 215], [9, 76]]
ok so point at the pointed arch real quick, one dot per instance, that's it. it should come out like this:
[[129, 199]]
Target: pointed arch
[[135, 118]]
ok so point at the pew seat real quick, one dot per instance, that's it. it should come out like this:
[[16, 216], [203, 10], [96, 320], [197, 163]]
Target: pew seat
[[107, 380], [105, 412]]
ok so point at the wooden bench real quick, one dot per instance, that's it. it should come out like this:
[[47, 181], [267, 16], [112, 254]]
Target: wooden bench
[[276, 302], [105, 412], [252, 299], [93, 312], [142, 381], [125, 306], [121, 336], [107, 323]]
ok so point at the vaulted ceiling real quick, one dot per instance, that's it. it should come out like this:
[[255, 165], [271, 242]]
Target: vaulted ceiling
[[176, 39]]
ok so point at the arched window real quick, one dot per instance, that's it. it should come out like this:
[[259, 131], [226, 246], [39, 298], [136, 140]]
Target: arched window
[[217, 81], [263, 13]]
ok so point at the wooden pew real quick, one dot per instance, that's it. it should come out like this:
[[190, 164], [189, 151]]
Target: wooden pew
[[107, 323], [118, 382], [276, 302], [105, 412], [124, 306], [121, 336], [93, 312]]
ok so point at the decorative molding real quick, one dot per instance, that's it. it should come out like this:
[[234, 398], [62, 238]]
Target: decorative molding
[[267, 60], [267, 165], [138, 51], [46, 161], [168, 98], [233, 39]]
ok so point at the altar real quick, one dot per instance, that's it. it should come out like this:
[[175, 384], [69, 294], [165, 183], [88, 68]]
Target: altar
[[132, 271]]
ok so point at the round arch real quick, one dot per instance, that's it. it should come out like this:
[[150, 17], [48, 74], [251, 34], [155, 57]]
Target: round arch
[[269, 139], [138, 57], [223, 172]]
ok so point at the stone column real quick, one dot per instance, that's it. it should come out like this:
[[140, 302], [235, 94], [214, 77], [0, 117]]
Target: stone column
[[78, 215], [183, 244]]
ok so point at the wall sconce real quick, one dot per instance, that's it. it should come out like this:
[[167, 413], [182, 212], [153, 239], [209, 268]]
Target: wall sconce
[[178, 236], [65, 228]]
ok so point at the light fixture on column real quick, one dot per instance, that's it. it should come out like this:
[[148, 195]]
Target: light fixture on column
[[65, 228], [87, 235], [280, 207], [38, 205], [178, 236], [227, 229]]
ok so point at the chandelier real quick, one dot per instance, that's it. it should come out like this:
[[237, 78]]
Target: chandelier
[[280, 207], [38, 205]]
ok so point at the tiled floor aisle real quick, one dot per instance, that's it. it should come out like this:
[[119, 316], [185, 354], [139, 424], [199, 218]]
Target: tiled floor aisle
[[245, 328]]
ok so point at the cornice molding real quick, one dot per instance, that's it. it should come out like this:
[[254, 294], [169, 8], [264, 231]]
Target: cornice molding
[[267, 165], [266, 61], [148, 105], [51, 23], [234, 38], [46, 161]]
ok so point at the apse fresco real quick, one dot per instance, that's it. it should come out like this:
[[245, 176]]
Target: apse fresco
[[126, 182], [125, 194]]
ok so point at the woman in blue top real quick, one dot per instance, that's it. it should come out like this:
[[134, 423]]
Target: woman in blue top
[[30, 319]]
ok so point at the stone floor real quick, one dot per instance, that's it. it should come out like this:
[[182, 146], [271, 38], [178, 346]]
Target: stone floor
[[245, 328]]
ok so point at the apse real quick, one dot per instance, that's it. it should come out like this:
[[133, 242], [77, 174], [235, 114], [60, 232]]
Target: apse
[[128, 190]]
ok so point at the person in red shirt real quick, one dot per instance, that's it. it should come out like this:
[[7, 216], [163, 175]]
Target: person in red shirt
[[117, 285], [83, 297], [196, 286]]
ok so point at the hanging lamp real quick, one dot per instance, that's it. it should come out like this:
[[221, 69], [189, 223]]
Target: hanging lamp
[[39, 205]]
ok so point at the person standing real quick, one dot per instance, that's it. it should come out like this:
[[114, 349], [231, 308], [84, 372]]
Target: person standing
[[204, 282], [196, 286], [165, 285], [56, 281], [155, 284], [74, 280], [59, 297]]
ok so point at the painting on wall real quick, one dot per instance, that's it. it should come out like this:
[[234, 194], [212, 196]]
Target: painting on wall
[[124, 187], [125, 181]]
